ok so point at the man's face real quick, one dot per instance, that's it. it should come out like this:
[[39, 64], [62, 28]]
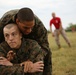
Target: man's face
[[26, 26], [12, 37]]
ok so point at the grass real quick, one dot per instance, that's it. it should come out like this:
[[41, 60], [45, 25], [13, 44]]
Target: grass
[[63, 60]]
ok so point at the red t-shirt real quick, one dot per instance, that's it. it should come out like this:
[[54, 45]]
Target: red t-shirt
[[56, 22]]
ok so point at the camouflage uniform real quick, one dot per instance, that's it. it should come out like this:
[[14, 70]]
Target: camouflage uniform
[[29, 50], [39, 33]]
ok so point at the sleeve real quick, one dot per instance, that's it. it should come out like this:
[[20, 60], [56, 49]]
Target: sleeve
[[10, 70], [5, 19], [59, 20], [41, 35], [50, 22], [42, 39], [36, 54]]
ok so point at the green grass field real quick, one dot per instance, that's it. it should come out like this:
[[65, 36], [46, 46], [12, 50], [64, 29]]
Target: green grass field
[[63, 60]]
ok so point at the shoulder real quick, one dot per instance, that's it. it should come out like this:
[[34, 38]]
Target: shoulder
[[36, 18], [31, 45], [39, 26], [58, 18], [51, 20], [38, 22], [3, 44], [4, 47], [31, 42], [10, 13]]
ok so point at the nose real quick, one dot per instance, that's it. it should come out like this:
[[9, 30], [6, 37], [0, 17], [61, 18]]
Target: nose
[[29, 30], [10, 37]]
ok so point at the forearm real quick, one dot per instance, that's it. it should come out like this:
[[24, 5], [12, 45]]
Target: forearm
[[46, 59], [43, 42], [8, 68], [11, 70], [60, 28], [51, 29], [48, 64], [38, 62], [47, 52]]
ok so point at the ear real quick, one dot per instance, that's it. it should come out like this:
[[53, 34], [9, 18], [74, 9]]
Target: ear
[[5, 39], [4, 34], [17, 21]]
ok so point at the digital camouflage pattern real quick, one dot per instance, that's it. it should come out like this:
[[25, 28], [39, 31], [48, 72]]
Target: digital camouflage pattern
[[39, 33], [29, 50]]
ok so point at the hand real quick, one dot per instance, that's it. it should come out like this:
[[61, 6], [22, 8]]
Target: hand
[[37, 67], [4, 61], [33, 67], [53, 34], [10, 55], [27, 65]]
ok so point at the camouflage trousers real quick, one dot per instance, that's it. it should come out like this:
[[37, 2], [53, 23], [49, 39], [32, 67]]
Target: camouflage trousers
[[63, 33]]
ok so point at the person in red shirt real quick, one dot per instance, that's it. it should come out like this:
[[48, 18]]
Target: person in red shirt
[[56, 21]]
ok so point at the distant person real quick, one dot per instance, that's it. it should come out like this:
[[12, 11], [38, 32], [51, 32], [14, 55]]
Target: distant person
[[19, 56], [56, 21], [73, 29], [32, 28]]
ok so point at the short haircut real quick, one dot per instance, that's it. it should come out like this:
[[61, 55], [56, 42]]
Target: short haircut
[[53, 12], [8, 26], [25, 14]]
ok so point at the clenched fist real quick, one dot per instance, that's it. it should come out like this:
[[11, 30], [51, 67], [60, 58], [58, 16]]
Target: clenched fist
[[10, 55]]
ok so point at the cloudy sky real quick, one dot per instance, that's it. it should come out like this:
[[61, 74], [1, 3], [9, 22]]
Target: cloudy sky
[[66, 9]]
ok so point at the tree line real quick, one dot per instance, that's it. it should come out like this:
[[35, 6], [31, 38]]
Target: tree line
[[71, 27]]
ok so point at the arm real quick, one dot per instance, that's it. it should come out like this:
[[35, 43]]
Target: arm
[[60, 23], [11, 70], [50, 25], [41, 35], [42, 39], [8, 65], [51, 31], [8, 17], [35, 55], [28, 65], [51, 28]]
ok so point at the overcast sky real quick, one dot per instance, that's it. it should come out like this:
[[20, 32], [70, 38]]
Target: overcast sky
[[66, 9]]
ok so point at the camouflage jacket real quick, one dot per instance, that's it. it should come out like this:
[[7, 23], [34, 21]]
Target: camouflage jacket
[[39, 33], [29, 50]]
